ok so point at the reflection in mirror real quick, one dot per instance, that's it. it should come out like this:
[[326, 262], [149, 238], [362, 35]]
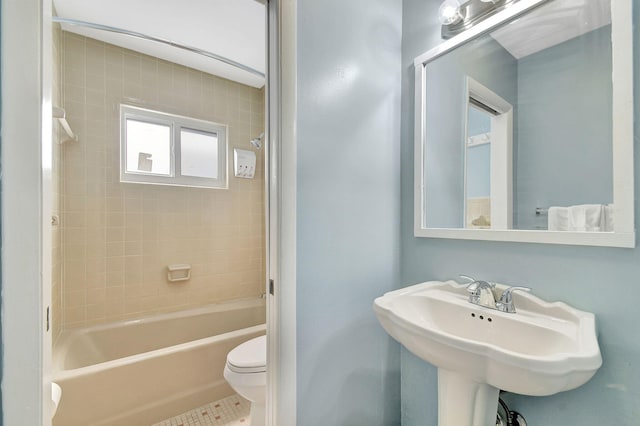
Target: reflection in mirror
[[478, 167], [552, 69], [489, 120]]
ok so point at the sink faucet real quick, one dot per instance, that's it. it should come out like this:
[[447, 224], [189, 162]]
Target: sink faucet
[[505, 304], [481, 293]]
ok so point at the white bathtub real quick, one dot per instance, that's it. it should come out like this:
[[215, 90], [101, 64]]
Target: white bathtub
[[142, 371]]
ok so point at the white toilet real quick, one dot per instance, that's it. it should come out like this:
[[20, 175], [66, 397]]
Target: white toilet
[[246, 373]]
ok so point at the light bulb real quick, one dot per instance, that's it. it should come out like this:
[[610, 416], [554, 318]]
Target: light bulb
[[449, 12]]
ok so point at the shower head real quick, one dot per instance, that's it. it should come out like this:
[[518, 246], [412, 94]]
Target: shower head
[[257, 142]]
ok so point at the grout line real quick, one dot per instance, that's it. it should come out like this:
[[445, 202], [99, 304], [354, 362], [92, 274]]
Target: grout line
[[230, 411]]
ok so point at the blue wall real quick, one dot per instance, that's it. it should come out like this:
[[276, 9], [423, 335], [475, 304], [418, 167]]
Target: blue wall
[[479, 122], [348, 209], [564, 119], [600, 280], [478, 156], [479, 171]]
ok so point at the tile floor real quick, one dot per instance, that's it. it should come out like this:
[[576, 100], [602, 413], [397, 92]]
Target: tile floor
[[230, 411]]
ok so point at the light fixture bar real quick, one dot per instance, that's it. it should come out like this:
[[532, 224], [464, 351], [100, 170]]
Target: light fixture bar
[[473, 12]]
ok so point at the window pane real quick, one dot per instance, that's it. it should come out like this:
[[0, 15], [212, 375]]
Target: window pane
[[199, 153], [148, 148]]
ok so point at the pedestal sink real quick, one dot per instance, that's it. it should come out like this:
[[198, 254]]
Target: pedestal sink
[[542, 349]]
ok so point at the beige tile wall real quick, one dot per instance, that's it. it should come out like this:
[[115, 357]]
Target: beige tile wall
[[56, 230], [119, 238]]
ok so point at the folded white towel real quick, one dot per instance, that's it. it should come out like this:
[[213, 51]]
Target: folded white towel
[[608, 218], [586, 217], [581, 218], [558, 219]]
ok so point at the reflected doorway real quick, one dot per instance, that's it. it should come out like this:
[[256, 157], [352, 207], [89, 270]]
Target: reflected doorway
[[488, 187]]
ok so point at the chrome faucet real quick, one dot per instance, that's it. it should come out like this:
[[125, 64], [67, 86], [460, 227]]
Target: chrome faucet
[[481, 293], [505, 304]]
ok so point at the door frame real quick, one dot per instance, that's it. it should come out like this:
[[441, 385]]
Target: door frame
[[501, 194], [26, 150], [26, 210], [281, 213]]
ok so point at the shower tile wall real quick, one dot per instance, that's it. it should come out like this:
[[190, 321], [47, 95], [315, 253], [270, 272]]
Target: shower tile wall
[[56, 193], [119, 238]]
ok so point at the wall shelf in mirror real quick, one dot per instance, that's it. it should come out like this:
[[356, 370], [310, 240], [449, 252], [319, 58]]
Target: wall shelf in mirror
[[557, 130]]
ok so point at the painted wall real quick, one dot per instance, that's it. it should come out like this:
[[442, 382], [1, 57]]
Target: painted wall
[[600, 280], [119, 237], [564, 119], [478, 156], [488, 63], [479, 122], [348, 199], [479, 171]]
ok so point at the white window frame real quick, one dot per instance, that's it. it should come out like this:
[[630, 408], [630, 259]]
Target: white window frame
[[176, 123]]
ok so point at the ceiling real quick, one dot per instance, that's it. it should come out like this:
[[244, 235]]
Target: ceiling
[[551, 24], [234, 29]]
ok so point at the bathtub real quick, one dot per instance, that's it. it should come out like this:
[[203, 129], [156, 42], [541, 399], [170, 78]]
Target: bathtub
[[142, 371]]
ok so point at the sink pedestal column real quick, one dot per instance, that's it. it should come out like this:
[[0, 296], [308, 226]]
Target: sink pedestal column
[[463, 402]]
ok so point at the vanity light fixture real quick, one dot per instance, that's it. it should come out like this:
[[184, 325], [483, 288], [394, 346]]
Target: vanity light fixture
[[449, 12], [456, 18]]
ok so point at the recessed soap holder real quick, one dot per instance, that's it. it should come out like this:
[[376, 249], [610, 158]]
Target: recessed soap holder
[[179, 272]]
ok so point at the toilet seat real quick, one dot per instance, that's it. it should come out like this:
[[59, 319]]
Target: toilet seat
[[249, 357]]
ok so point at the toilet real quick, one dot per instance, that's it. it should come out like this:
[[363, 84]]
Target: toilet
[[246, 373]]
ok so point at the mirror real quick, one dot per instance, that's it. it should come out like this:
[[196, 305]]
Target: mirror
[[477, 183], [524, 127]]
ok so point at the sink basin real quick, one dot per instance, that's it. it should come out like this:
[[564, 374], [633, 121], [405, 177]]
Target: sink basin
[[542, 349]]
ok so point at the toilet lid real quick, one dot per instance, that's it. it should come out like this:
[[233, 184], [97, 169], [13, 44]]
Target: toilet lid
[[249, 357]]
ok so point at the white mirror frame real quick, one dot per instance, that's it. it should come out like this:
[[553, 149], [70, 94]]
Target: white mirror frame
[[623, 174]]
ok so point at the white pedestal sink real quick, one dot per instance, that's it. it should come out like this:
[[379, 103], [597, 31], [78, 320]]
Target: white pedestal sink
[[542, 349]]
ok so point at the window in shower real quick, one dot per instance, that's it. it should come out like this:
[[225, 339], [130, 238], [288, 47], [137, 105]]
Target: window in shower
[[168, 149]]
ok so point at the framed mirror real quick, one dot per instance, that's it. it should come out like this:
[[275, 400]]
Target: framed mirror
[[524, 127]]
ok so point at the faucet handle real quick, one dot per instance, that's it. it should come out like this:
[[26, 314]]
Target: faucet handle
[[505, 304], [476, 285], [507, 294], [467, 277]]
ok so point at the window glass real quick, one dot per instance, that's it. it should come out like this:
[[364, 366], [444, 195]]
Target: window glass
[[168, 149], [198, 153], [148, 148]]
